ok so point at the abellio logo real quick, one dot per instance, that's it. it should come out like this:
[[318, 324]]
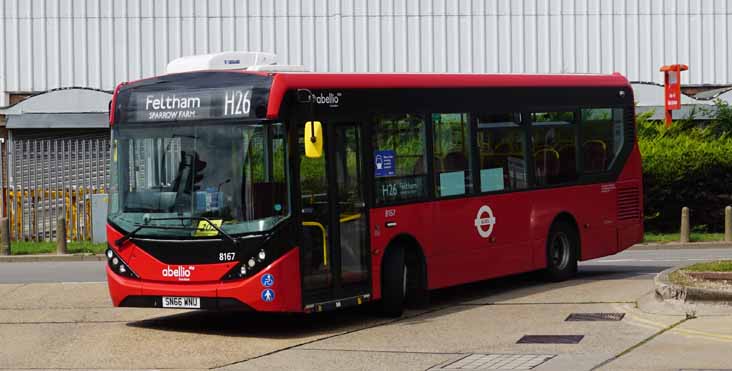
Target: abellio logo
[[181, 273], [332, 99]]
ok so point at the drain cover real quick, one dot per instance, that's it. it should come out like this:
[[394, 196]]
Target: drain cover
[[550, 339], [497, 362], [595, 317]]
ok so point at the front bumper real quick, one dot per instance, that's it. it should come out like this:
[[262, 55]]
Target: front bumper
[[242, 294]]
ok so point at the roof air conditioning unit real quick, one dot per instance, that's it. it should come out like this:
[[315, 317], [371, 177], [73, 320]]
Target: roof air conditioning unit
[[240, 60]]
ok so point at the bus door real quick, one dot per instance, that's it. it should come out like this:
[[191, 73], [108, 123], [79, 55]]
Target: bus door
[[335, 259]]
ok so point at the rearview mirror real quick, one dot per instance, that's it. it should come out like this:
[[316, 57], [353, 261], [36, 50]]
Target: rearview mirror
[[313, 137]]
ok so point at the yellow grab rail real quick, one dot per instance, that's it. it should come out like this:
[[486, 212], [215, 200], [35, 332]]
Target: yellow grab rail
[[325, 246]]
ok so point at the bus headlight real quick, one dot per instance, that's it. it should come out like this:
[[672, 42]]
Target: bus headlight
[[243, 270], [251, 263], [261, 255], [118, 265]]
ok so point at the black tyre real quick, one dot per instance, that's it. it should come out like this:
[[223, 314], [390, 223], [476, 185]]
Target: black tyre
[[393, 282], [417, 295], [562, 247]]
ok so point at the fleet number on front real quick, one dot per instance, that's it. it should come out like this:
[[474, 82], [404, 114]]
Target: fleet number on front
[[227, 256]]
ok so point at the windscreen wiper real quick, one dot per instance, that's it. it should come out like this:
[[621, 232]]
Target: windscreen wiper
[[139, 227], [131, 234]]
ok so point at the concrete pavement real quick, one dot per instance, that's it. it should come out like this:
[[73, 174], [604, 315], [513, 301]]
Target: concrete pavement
[[72, 325]]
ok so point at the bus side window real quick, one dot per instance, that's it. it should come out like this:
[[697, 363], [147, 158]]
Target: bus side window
[[451, 154], [602, 138], [501, 152], [554, 147], [400, 170]]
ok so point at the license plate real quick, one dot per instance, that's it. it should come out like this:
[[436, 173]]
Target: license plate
[[181, 302]]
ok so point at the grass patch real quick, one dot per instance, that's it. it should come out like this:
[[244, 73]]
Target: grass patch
[[679, 278], [674, 237], [717, 266], [48, 247]]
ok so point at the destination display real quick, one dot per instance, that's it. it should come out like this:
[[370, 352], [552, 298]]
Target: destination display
[[181, 105], [400, 188]]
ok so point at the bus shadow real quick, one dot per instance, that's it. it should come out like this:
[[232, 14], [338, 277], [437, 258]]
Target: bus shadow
[[265, 325], [442, 302]]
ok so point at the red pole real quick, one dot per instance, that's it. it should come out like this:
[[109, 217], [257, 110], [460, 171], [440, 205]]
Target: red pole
[[672, 89]]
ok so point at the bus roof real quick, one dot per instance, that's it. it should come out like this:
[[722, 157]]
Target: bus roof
[[282, 82], [443, 80], [286, 81]]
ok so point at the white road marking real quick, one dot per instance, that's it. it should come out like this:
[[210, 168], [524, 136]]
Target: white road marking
[[652, 260]]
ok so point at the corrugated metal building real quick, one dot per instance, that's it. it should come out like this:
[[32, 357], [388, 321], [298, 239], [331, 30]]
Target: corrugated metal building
[[56, 144], [47, 44]]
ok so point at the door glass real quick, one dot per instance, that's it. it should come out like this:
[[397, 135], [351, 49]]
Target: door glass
[[316, 264], [351, 208]]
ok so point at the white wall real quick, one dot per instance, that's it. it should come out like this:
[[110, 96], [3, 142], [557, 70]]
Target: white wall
[[46, 44]]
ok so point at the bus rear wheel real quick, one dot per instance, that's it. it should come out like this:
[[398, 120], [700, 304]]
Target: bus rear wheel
[[562, 247], [393, 282]]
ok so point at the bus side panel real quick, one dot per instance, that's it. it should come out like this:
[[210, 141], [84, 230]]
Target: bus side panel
[[630, 183], [479, 238], [542, 212], [591, 206], [596, 210], [413, 220]]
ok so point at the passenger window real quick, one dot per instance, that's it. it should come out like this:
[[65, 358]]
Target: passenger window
[[400, 169], [451, 158], [501, 147], [602, 137], [554, 147]]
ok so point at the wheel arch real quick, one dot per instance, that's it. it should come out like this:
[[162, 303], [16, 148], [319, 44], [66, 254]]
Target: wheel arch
[[414, 255], [567, 217]]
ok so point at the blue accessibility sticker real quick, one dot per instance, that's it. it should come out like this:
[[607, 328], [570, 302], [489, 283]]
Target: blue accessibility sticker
[[268, 295], [384, 163], [267, 280]]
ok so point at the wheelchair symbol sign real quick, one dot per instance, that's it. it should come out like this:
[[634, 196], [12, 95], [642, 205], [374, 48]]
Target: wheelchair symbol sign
[[267, 280]]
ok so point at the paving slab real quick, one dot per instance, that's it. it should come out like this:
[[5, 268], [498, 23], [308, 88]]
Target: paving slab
[[56, 295], [607, 290], [185, 340], [66, 315], [497, 328], [702, 343], [8, 288], [305, 359]]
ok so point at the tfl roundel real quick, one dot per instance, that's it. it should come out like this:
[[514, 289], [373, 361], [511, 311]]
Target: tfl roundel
[[485, 221]]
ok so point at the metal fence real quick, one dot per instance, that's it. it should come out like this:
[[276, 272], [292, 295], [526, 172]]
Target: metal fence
[[50, 178]]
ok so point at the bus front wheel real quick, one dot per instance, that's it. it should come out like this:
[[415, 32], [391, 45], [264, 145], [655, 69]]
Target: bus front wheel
[[393, 282], [562, 247]]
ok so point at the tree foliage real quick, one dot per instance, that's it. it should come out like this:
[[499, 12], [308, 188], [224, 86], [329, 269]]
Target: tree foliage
[[689, 165]]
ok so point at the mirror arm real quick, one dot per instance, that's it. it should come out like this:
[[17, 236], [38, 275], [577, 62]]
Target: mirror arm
[[313, 139]]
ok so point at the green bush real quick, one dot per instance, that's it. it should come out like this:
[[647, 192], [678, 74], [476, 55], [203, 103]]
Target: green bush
[[686, 165]]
